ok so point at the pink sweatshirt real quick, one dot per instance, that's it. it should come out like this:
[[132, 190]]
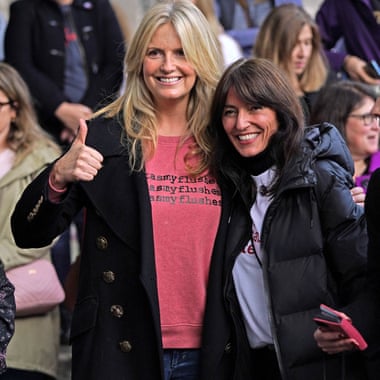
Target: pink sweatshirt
[[185, 214]]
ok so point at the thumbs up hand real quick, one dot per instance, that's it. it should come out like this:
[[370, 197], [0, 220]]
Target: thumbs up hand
[[79, 163]]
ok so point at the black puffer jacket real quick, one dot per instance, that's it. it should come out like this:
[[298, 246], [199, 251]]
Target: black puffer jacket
[[314, 242]]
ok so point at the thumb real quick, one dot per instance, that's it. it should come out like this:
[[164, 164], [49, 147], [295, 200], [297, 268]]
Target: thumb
[[82, 132]]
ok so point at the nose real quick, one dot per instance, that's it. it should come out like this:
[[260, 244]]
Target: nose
[[168, 64], [301, 50], [242, 120]]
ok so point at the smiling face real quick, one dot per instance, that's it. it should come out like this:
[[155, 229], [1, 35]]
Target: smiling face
[[248, 128], [167, 74], [301, 52], [362, 140]]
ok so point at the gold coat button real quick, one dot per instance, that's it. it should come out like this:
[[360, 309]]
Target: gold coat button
[[117, 311], [108, 276], [101, 243], [125, 346]]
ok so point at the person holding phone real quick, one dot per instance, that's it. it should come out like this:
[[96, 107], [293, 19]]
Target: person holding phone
[[295, 237]]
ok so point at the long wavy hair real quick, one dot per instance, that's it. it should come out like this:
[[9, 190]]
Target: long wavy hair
[[25, 132], [260, 83], [277, 38], [136, 104]]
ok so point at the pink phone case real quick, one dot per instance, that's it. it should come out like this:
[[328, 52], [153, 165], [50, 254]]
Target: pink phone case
[[328, 317]]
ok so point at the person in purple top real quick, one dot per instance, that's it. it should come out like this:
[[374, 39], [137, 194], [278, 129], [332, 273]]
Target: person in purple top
[[355, 117], [357, 24]]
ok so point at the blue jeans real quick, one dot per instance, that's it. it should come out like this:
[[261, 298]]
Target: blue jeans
[[181, 364]]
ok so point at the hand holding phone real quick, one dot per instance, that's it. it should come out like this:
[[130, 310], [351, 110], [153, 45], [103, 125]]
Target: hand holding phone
[[333, 320]]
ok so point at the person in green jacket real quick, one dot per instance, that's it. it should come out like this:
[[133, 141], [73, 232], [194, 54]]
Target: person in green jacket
[[25, 149]]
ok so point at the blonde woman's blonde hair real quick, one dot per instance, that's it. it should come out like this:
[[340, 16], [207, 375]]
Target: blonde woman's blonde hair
[[25, 132], [277, 38], [136, 105]]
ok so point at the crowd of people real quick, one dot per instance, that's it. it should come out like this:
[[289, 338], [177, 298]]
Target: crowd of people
[[223, 177]]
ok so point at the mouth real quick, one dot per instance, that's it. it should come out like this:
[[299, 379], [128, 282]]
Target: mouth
[[247, 137], [169, 80]]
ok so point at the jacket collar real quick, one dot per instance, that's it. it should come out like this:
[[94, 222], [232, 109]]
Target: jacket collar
[[321, 142]]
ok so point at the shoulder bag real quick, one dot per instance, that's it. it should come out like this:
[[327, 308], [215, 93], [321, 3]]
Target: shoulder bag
[[37, 287]]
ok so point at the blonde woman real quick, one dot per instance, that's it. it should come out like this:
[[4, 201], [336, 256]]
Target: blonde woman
[[140, 168], [25, 150]]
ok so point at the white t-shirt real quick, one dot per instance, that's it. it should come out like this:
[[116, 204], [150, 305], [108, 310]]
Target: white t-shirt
[[248, 275]]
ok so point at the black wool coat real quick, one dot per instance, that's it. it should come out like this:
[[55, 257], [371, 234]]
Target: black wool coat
[[116, 325]]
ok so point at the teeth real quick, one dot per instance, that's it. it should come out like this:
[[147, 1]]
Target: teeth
[[169, 80], [248, 137]]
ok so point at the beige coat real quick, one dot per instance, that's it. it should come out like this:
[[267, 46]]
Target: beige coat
[[35, 343]]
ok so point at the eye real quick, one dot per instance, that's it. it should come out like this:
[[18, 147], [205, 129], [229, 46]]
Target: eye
[[229, 112], [180, 53], [308, 42], [254, 107], [153, 53]]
